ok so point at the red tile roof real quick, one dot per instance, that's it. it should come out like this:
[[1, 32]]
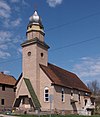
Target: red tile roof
[[7, 79], [62, 77]]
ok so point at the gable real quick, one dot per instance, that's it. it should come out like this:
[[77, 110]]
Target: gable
[[32, 93], [22, 88], [44, 80]]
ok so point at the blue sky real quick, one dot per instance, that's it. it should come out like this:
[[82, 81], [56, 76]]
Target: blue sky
[[72, 29]]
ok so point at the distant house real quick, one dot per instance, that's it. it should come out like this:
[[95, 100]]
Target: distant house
[[7, 91], [46, 87]]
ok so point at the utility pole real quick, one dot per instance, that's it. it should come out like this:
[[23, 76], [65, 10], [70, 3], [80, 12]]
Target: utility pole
[[51, 98]]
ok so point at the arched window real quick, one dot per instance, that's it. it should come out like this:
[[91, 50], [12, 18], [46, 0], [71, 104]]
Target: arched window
[[46, 94], [63, 96]]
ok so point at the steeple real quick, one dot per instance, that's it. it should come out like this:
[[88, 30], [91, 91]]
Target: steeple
[[34, 49], [35, 28]]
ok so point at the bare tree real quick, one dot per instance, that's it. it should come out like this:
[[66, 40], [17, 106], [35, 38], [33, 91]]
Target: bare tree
[[94, 87]]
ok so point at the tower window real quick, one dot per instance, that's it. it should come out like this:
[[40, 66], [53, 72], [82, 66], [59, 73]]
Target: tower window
[[31, 26], [29, 53], [42, 55], [46, 94]]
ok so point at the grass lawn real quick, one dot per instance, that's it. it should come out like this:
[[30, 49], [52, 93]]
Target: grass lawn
[[59, 116]]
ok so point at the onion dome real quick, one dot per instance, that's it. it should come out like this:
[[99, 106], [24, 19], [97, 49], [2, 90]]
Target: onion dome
[[35, 19]]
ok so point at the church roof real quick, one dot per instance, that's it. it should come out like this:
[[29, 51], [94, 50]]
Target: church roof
[[7, 79], [64, 78]]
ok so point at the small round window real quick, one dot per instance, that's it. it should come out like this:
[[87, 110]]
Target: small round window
[[29, 53]]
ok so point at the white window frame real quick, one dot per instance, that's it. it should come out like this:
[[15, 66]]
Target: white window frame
[[62, 95], [46, 98]]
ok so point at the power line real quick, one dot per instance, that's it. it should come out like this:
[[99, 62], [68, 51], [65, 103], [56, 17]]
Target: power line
[[73, 21], [67, 23], [60, 26], [70, 45], [77, 43]]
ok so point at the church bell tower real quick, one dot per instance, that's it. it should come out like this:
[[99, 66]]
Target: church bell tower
[[35, 28], [34, 51]]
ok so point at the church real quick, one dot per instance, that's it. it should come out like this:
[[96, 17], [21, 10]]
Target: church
[[43, 86]]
